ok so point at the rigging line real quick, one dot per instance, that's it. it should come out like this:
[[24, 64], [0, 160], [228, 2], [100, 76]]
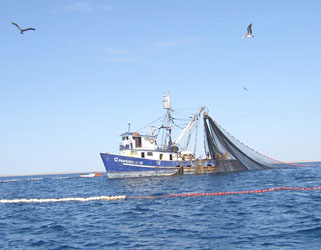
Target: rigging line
[[182, 114], [180, 119], [165, 117], [195, 145], [161, 128], [163, 140], [151, 123], [188, 109], [180, 125], [188, 139]]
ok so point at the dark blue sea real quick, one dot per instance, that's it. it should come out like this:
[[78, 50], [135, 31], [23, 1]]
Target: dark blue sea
[[284, 219]]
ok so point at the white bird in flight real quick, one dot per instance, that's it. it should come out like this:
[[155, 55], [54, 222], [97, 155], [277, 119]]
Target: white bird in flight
[[22, 30], [249, 32]]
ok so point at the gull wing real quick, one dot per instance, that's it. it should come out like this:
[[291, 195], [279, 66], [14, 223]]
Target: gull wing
[[16, 25], [29, 29], [249, 29]]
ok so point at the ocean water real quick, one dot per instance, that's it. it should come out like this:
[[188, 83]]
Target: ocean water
[[284, 219]]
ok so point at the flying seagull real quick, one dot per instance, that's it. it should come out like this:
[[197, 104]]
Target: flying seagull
[[249, 32], [23, 30], [245, 88]]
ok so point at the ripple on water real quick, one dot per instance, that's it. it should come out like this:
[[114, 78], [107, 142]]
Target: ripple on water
[[272, 220]]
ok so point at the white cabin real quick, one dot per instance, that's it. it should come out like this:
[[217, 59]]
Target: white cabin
[[144, 146]]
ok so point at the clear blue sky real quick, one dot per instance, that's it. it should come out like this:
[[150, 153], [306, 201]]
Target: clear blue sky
[[68, 89]]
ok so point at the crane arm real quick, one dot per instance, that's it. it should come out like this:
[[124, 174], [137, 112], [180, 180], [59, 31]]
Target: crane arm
[[188, 127]]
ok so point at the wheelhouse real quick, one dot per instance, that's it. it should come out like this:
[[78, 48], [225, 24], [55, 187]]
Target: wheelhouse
[[144, 146]]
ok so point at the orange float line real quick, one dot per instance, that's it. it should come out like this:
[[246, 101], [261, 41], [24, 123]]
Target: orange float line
[[227, 193], [251, 192]]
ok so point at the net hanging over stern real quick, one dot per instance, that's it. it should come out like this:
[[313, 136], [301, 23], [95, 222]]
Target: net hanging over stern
[[232, 155]]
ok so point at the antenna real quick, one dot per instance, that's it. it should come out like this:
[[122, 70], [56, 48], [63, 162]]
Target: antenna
[[129, 126]]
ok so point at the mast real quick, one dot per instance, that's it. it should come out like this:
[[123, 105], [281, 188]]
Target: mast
[[167, 106]]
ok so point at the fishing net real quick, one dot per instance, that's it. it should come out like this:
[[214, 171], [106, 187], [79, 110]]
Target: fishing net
[[232, 155]]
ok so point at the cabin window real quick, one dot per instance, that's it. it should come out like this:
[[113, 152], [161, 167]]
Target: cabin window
[[161, 156], [143, 154], [138, 142], [170, 157], [150, 153]]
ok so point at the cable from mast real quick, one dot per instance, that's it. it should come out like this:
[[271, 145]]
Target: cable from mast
[[190, 125]]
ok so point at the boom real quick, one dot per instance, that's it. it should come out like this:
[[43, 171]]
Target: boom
[[189, 126]]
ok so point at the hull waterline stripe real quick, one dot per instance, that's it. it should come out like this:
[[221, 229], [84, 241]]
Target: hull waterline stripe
[[123, 197], [146, 166]]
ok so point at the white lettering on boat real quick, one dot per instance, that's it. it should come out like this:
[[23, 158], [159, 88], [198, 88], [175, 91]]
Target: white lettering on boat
[[116, 159]]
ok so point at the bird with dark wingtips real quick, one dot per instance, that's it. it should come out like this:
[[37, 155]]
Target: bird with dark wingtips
[[22, 30], [249, 32]]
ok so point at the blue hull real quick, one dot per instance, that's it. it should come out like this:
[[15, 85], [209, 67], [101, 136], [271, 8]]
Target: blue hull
[[118, 166]]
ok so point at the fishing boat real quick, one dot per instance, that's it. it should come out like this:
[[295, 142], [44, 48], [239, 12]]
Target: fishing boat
[[156, 153]]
